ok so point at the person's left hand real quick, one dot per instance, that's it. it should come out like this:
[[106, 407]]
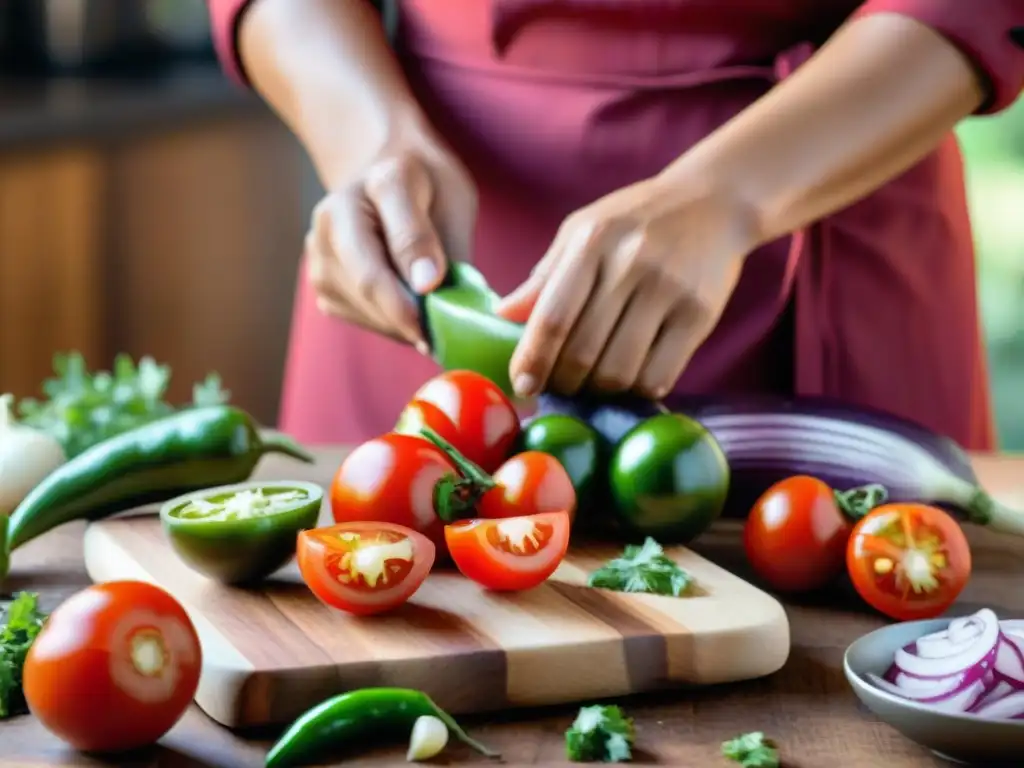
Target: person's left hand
[[629, 289]]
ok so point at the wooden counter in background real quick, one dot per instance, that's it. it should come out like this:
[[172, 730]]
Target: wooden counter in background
[[161, 217]]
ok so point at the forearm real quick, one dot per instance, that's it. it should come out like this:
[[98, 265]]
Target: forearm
[[877, 98], [326, 68]]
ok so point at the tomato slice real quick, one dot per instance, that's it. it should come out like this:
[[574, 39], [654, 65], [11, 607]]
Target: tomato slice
[[529, 483], [908, 561], [513, 553], [114, 667], [364, 568], [485, 420]]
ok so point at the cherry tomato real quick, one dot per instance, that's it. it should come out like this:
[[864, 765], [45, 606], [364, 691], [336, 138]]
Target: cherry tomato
[[364, 568], [393, 479], [484, 418], [114, 667], [908, 561], [514, 553], [419, 414], [529, 483], [795, 536]]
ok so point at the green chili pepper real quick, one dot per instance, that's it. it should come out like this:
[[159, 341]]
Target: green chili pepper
[[353, 718], [193, 449], [578, 448], [669, 479], [463, 330], [241, 533]]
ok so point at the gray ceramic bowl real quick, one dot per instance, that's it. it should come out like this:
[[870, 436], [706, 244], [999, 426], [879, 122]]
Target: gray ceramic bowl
[[959, 738]]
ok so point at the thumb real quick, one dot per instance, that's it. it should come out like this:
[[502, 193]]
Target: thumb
[[518, 305]]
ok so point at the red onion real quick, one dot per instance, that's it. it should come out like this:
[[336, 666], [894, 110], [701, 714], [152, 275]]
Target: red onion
[[974, 666]]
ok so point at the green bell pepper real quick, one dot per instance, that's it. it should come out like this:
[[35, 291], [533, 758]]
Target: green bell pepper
[[464, 332], [669, 479], [239, 534]]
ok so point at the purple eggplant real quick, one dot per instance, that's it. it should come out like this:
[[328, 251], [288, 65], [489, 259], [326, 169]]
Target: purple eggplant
[[766, 439]]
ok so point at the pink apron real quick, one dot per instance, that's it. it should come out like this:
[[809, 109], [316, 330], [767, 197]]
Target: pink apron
[[875, 305]]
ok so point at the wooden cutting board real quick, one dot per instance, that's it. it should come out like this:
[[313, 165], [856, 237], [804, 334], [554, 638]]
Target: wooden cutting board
[[271, 653]]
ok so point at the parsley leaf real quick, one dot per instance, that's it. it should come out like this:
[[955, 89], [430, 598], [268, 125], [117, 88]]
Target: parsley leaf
[[83, 408], [642, 569], [600, 734], [752, 750], [23, 621]]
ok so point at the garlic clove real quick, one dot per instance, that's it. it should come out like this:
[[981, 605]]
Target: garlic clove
[[428, 738]]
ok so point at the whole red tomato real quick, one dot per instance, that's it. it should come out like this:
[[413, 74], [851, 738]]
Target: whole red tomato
[[529, 483], [908, 561], [795, 536], [485, 421], [114, 667], [398, 479]]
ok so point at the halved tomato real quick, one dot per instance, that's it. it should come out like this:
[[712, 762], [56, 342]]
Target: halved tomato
[[364, 568], [512, 553], [908, 561]]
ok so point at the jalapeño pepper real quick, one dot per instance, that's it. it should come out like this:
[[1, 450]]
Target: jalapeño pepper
[[193, 449], [241, 533], [463, 330], [352, 719]]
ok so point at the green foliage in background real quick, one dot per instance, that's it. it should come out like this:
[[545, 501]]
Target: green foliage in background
[[994, 153]]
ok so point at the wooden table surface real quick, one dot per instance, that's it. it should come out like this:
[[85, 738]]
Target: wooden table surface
[[807, 707]]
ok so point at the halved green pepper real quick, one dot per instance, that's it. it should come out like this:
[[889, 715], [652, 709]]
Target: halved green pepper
[[464, 332], [241, 533]]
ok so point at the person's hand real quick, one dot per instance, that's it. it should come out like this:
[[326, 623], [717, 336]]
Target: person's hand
[[401, 218], [628, 290]]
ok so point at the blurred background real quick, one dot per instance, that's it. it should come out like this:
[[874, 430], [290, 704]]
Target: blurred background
[[147, 206]]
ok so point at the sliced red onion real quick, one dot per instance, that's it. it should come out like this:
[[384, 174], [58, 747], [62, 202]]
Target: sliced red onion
[[1012, 627], [1010, 658], [998, 691], [960, 654], [1006, 708], [954, 701]]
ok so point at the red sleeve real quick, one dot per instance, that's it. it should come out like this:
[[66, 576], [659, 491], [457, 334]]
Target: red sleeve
[[990, 33], [224, 18]]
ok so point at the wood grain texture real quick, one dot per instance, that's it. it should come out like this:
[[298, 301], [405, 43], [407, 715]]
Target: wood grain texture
[[272, 652], [807, 707]]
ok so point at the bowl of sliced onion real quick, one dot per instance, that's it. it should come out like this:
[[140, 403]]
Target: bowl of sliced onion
[[955, 686]]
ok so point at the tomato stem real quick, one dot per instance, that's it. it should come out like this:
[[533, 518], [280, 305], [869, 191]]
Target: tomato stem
[[456, 497], [857, 502]]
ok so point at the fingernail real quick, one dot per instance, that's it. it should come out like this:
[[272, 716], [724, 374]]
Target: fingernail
[[525, 384], [423, 348], [423, 275]]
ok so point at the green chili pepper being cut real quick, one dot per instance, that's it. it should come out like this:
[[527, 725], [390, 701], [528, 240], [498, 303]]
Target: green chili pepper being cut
[[354, 718], [238, 534], [463, 329], [193, 449]]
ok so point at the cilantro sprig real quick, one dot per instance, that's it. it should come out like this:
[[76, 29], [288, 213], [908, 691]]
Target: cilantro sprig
[[643, 568], [22, 622], [82, 408], [752, 750], [600, 734]]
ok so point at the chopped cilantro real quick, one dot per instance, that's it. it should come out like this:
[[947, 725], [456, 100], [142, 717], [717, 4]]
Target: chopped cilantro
[[642, 569], [22, 622], [600, 734], [752, 750]]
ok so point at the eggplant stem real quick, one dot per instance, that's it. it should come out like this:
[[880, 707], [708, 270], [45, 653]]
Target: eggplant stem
[[857, 502], [984, 510]]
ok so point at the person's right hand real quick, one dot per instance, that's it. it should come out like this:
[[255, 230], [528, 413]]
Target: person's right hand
[[403, 217]]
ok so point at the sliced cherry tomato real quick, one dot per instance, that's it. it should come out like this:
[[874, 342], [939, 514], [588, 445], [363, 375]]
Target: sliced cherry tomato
[[514, 553], [484, 418], [397, 479], [114, 667], [908, 561], [529, 483], [364, 568], [795, 536]]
